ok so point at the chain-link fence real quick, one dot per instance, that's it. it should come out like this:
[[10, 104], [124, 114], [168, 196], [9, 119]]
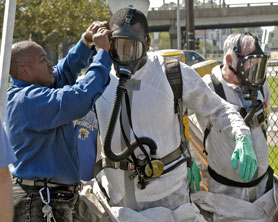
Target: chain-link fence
[[272, 131]]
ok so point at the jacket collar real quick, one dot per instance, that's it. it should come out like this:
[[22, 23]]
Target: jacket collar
[[19, 82]]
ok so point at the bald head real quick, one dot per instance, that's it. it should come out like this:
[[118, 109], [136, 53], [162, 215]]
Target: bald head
[[21, 56], [29, 63]]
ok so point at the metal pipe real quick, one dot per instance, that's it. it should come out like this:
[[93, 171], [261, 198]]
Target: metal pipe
[[5, 56]]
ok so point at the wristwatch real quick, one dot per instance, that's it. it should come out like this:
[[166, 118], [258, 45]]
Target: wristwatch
[[90, 45]]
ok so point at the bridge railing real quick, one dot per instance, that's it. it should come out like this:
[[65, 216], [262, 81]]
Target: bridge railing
[[248, 4], [207, 5]]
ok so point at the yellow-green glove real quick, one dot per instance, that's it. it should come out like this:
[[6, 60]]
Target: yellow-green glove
[[193, 170], [247, 158]]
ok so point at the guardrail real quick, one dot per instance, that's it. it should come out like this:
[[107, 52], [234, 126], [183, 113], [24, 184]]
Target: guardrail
[[168, 7], [249, 4]]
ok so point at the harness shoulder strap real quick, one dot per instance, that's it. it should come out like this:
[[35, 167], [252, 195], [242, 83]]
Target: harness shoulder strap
[[173, 73], [218, 87]]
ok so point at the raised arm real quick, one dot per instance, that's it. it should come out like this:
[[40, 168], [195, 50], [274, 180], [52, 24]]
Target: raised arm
[[78, 58]]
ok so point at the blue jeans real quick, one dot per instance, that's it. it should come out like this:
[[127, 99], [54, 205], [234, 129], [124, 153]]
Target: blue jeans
[[28, 204]]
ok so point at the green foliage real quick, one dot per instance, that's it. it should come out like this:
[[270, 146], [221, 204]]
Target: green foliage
[[51, 22], [165, 38], [168, 6], [206, 4]]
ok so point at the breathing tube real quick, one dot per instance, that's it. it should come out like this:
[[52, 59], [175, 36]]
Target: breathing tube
[[124, 75]]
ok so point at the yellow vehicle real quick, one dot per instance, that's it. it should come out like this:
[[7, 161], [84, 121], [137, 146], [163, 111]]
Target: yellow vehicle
[[172, 54], [204, 67]]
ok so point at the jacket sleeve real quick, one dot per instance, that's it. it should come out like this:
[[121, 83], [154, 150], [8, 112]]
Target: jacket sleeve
[[198, 97], [6, 152], [45, 108], [68, 69]]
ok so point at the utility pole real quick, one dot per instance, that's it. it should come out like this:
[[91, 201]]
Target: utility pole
[[178, 26], [190, 27], [205, 43]]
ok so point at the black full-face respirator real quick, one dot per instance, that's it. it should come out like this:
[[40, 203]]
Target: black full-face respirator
[[127, 48], [127, 51], [251, 73]]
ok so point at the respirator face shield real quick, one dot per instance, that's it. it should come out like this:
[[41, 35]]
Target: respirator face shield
[[125, 51], [252, 69]]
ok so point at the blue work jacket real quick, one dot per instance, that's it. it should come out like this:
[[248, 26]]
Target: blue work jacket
[[39, 119]]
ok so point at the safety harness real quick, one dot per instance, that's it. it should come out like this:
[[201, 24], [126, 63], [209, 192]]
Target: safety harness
[[140, 166], [219, 178]]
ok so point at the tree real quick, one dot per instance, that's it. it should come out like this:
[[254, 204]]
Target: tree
[[205, 3], [168, 6], [52, 22], [164, 38]]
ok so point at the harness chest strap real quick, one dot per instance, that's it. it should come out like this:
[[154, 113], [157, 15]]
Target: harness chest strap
[[124, 164], [223, 180]]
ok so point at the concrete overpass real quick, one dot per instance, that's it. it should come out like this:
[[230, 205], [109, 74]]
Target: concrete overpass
[[216, 18]]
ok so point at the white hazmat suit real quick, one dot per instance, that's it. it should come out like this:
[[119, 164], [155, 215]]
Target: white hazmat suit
[[220, 148]]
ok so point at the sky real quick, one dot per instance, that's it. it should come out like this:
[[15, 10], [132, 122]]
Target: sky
[[157, 3]]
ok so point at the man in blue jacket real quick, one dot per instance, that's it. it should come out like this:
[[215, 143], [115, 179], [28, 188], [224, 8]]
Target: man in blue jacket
[[42, 103]]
